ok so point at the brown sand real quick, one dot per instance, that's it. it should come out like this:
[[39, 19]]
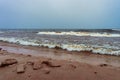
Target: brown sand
[[35, 63]]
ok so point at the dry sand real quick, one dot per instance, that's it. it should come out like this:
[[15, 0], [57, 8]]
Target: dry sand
[[32, 63]]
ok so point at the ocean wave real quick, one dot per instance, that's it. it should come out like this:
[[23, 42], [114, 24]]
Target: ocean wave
[[111, 50], [116, 29], [81, 34]]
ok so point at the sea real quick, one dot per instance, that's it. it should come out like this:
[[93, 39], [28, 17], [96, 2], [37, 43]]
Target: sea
[[99, 41]]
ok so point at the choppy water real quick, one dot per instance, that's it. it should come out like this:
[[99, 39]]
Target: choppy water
[[102, 41]]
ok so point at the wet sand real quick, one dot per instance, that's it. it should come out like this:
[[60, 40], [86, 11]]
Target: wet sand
[[56, 64]]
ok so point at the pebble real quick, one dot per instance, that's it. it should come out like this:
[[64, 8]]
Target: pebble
[[36, 65], [7, 62], [20, 68]]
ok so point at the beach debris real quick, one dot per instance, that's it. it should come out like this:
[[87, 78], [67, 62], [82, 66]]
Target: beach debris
[[36, 65], [102, 65], [50, 64], [29, 75], [95, 72], [46, 70], [54, 64], [39, 64], [30, 62], [7, 62], [29, 55], [57, 47], [73, 66], [20, 68]]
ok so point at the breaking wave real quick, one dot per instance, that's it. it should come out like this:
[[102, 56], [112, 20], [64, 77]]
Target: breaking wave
[[81, 34], [104, 49]]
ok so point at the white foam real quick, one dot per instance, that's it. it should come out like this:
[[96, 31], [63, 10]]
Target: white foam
[[97, 49], [105, 49], [81, 34], [19, 41]]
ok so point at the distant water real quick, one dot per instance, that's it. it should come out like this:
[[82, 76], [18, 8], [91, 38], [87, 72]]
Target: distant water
[[102, 41]]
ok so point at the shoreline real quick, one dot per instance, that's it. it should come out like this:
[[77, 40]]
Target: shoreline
[[60, 54], [67, 65]]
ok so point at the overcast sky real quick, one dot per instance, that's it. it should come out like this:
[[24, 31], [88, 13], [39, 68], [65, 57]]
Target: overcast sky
[[60, 14]]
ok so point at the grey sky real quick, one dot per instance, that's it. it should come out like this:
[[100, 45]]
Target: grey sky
[[59, 14]]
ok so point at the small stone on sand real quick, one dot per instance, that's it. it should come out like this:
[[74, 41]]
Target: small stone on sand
[[30, 62], [7, 62], [95, 72], [102, 65], [36, 65], [29, 55], [46, 70], [20, 68], [51, 64], [73, 66]]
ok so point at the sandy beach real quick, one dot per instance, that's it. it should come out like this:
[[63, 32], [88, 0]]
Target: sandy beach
[[59, 39], [19, 62]]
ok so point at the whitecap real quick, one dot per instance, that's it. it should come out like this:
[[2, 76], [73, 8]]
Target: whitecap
[[81, 34]]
